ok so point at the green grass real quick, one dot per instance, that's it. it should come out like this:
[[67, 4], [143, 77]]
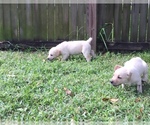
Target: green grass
[[32, 89]]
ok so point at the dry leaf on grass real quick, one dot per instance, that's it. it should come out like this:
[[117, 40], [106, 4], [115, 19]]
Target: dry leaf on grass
[[55, 90], [105, 99], [137, 100], [68, 92], [139, 117], [141, 110], [11, 75], [112, 100], [44, 60]]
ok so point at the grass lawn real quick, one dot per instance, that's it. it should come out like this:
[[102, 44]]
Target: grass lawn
[[34, 89]]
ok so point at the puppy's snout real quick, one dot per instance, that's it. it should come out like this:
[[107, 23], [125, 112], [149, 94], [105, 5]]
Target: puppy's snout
[[111, 81], [48, 58]]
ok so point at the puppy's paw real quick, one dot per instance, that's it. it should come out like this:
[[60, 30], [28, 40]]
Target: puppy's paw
[[93, 54], [122, 85]]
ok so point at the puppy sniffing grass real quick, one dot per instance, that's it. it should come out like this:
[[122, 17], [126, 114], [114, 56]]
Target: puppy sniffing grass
[[134, 71], [72, 47]]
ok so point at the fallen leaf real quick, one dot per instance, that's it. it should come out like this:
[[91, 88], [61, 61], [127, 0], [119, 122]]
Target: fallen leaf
[[114, 100], [11, 75], [141, 110], [139, 117], [55, 90], [68, 92], [105, 99], [137, 100], [73, 122], [65, 88]]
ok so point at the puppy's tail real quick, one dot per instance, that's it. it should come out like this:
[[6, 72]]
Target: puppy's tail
[[89, 40]]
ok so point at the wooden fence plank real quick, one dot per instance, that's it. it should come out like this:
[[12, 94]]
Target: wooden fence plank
[[80, 21], [73, 21], [51, 21], [99, 19], [134, 22], [100, 13], [109, 20], [7, 22], [29, 22], [22, 21], [148, 28], [86, 35], [125, 22], [58, 17], [117, 22], [92, 23], [143, 22], [36, 22], [14, 22], [1, 23], [43, 17], [65, 22], [106, 22], [25, 21]]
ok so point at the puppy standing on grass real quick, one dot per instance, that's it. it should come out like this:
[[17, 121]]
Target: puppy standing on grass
[[72, 47], [134, 71]]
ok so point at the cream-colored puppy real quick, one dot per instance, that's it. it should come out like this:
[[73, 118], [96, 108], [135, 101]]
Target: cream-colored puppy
[[72, 47], [134, 71]]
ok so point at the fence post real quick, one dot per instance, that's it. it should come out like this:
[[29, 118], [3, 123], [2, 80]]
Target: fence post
[[92, 21]]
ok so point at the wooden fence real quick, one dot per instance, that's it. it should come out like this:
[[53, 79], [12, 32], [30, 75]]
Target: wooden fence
[[121, 23], [43, 21], [130, 22]]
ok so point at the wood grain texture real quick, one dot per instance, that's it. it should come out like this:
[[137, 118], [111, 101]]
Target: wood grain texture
[[125, 22], [134, 22], [92, 23], [43, 17], [117, 22], [148, 25], [46, 22], [14, 22], [73, 21], [58, 17], [105, 19], [1, 23], [80, 21], [143, 22], [65, 21], [36, 22], [51, 21], [29, 21], [7, 22]]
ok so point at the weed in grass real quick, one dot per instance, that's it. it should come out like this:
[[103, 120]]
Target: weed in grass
[[32, 89]]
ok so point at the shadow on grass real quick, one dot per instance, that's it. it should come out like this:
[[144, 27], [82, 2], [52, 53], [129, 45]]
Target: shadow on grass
[[133, 90], [146, 89]]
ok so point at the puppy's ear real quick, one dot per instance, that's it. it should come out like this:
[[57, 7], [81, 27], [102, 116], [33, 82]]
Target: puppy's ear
[[57, 52], [129, 74], [117, 67]]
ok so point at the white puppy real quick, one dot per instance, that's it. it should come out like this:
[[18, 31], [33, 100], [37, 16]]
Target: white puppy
[[72, 47], [134, 71]]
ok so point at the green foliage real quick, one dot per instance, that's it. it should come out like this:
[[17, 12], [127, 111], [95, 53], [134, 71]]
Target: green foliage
[[32, 89], [103, 36]]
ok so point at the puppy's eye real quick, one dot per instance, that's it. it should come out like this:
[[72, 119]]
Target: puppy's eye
[[51, 55], [119, 77]]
